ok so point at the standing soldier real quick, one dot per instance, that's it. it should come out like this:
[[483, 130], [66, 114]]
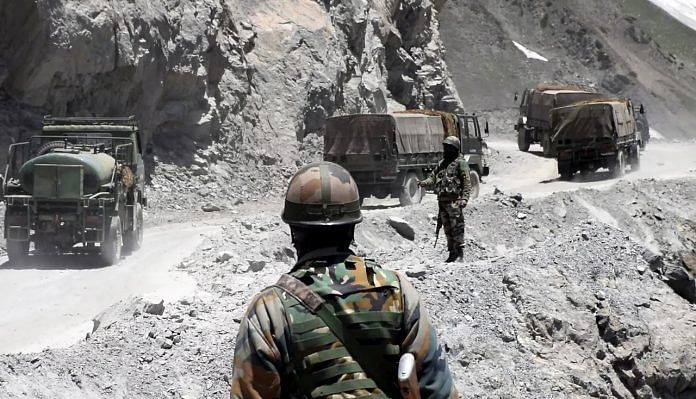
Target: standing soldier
[[452, 185], [337, 324]]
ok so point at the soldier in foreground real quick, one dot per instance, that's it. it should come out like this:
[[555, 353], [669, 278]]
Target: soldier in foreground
[[452, 184], [337, 324]]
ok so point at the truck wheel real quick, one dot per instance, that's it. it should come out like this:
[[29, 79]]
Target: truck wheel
[[522, 141], [475, 184], [635, 158], [620, 164], [133, 240], [411, 194], [17, 251], [113, 243]]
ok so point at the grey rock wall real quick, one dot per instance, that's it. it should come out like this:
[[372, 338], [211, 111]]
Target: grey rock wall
[[248, 77]]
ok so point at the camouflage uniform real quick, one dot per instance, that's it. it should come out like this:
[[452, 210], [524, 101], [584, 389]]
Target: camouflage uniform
[[451, 183], [281, 344]]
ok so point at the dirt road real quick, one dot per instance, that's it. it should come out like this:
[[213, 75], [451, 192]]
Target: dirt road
[[51, 303], [536, 176]]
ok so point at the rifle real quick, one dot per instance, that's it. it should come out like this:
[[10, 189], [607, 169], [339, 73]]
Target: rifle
[[408, 380], [437, 229]]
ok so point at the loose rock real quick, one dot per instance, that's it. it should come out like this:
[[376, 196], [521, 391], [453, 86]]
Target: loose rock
[[154, 308], [402, 227]]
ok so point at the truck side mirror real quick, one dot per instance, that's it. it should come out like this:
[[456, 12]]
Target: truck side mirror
[[516, 96], [642, 109], [487, 130], [148, 148]]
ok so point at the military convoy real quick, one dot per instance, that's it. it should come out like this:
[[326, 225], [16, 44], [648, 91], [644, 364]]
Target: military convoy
[[78, 187], [596, 134], [534, 123], [388, 153]]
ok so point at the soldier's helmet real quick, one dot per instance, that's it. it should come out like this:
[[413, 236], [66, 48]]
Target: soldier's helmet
[[453, 141], [322, 194]]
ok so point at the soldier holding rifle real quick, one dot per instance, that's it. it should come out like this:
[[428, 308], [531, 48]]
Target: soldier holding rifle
[[452, 184]]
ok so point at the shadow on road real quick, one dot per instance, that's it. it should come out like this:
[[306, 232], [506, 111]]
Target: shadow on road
[[376, 207], [586, 177], [56, 262]]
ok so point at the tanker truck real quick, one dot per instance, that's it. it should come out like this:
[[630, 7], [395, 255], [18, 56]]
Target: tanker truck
[[77, 187]]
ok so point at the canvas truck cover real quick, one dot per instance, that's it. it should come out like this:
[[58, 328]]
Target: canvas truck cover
[[592, 120], [543, 101], [369, 133], [449, 120]]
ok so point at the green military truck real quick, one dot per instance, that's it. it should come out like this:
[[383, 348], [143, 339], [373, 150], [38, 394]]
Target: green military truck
[[596, 134], [388, 153], [534, 124], [78, 187]]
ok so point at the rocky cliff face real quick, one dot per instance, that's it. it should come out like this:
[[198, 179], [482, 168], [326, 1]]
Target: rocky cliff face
[[248, 77]]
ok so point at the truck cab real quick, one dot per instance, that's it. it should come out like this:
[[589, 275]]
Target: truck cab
[[474, 146]]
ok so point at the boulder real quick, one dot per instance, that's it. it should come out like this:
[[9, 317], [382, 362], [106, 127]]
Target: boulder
[[402, 227], [256, 265], [154, 308]]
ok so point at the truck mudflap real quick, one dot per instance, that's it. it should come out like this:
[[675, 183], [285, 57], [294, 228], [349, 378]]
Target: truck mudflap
[[18, 223]]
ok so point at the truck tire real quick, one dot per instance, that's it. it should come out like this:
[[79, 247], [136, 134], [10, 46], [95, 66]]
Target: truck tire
[[475, 184], [17, 251], [522, 140], [113, 243], [619, 167], [410, 194], [565, 169], [634, 159], [133, 240]]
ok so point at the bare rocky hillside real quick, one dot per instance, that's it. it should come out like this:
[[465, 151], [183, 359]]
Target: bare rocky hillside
[[249, 77], [624, 47]]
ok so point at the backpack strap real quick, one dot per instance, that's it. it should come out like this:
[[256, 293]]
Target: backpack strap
[[319, 308]]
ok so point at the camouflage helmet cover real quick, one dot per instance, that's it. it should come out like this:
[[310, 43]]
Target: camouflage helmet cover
[[322, 194], [453, 141]]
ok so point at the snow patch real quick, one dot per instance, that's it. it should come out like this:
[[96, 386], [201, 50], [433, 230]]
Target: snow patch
[[529, 53], [682, 10]]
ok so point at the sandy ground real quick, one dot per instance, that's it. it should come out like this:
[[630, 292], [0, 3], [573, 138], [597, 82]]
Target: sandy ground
[[49, 303]]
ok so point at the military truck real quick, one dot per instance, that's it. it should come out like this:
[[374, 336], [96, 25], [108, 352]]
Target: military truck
[[534, 124], [77, 187], [388, 153], [596, 134]]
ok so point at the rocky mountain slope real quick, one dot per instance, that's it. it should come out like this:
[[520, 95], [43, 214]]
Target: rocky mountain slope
[[624, 47], [572, 295]]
